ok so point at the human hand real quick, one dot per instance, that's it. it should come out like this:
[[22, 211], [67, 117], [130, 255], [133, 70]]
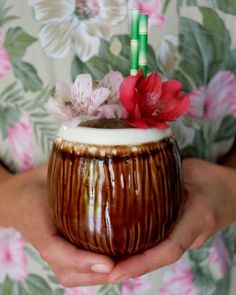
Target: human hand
[[23, 205], [210, 206]]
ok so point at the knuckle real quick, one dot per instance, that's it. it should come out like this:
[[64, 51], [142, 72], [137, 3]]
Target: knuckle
[[63, 279], [45, 254]]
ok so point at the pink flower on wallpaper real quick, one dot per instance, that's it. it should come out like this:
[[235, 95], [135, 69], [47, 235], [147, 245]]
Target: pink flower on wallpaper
[[20, 136], [179, 281], [216, 99], [5, 65], [135, 286], [153, 8], [78, 291], [218, 257], [13, 259]]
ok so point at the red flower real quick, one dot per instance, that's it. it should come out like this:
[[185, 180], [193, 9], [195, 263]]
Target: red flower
[[151, 102]]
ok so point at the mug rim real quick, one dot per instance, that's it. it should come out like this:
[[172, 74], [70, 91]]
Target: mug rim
[[108, 136]]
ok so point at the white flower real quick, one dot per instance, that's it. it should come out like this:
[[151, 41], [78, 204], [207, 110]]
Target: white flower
[[76, 24], [83, 102]]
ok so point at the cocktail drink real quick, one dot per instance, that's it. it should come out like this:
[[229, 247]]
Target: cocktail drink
[[115, 191]]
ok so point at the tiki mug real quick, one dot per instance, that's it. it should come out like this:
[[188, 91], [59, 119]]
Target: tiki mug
[[115, 191]]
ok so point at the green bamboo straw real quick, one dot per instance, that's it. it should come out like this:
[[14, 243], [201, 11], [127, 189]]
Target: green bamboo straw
[[143, 43], [134, 42]]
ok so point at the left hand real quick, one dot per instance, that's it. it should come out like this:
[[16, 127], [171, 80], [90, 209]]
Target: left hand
[[210, 206]]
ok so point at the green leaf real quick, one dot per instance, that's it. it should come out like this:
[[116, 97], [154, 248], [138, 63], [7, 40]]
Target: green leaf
[[204, 48], [19, 289], [219, 35], [200, 254], [59, 291], [199, 147], [230, 61], [165, 6], [95, 66], [53, 279], [8, 116], [38, 285], [4, 10], [7, 286], [110, 290], [188, 152], [16, 42], [152, 61], [204, 282], [119, 60], [28, 76], [227, 128], [44, 134], [228, 6], [8, 89], [180, 3], [34, 255], [197, 51]]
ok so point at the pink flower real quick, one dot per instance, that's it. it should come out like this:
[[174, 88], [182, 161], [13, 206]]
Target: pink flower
[[20, 136], [153, 8], [13, 259], [218, 257], [5, 65], [78, 291], [135, 286], [151, 102], [216, 99], [179, 281], [85, 101]]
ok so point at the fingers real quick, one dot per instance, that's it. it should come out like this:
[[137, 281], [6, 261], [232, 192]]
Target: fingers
[[61, 253], [188, 229], [71, 280]]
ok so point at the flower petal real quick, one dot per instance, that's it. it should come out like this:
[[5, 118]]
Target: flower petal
[[180, 105], [85, 45], [98, 97], [5, 65], [128, 92], [21, 140], [110, 111], [221, 90], [113, 12], [197, 99], [81, 93], [149, 92], [156, 123], [63, 90], [56, 108], [55, 39], [98, 29], [53, 10], [137, 123], [112, 81]]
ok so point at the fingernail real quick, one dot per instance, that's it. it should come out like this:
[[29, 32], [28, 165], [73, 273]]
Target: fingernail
[[101, 268], [121, 279]]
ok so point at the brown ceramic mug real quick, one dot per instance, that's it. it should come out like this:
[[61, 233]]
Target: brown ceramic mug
[[115, 191]]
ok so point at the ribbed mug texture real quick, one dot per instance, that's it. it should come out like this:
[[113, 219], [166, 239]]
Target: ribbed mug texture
[[115, 200]]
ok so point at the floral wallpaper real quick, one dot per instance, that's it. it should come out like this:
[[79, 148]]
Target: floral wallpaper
[[42, 42]]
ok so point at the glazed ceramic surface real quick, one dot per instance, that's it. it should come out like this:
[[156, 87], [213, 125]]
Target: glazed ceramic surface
[[115, 191]]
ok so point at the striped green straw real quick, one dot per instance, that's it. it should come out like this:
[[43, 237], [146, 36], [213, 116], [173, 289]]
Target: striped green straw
[[143, 43], [134, 42]]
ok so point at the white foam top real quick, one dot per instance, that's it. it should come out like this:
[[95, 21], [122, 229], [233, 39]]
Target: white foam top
[[100, 136]]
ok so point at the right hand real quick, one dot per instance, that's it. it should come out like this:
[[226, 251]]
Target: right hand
[[24, 206]]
